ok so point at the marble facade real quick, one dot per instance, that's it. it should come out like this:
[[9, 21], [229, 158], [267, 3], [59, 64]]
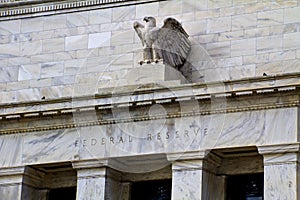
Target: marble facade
[[78, 111]]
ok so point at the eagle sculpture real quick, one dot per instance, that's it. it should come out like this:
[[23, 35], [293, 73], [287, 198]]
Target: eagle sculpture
[[169, 43]]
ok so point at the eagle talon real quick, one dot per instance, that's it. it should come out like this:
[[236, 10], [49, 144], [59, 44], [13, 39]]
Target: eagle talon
[[147, 61], [141, 62]]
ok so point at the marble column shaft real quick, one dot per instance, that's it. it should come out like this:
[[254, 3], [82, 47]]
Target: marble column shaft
[[193, 177], [281, 171], [96, 181], [11, 180], [21, 183], [90, 179]]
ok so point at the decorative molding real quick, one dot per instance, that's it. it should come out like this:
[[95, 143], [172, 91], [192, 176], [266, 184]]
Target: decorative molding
[[10, 9], [189, 155], [194, 160], [196, 91], [281, 154], [279, 149], [102, 102], [88, 164], [11, 171], [144, 118]]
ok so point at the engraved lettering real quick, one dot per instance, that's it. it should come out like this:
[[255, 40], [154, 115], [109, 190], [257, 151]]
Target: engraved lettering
[[103, 141], [158, 136], [111, 139], [83, 143], [167, 135], [76, 143], [177, 134], [150, 137], [93, 142], [121, 140], [205, 131], [197, 131], [186, 133]]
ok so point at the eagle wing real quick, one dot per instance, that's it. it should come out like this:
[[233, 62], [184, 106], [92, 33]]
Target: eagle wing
[[172, 43], [138, 29]]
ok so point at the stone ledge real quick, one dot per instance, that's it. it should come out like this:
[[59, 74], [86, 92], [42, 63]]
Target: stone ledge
[[88, 164], [281, 154], [279, 149], [155, 93], [10, 9]]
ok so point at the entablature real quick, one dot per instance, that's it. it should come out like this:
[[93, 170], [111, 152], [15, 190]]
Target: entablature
[[260, 93]]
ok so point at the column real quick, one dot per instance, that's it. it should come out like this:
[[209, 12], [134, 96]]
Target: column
[[32, 185], [113, 188], [281, 167], [126, 191], [21, 183], [96, 181], [194, 176], [11, 180], [90, 179]]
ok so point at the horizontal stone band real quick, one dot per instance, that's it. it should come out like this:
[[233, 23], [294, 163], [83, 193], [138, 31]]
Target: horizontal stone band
[[18, 9]]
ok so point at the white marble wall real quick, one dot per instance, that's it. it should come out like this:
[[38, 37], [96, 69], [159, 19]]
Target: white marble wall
[[50, 55], [250, 128], [281, 171], [77, 53]]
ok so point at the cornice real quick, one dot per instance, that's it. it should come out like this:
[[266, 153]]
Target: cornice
[[146, 118], [254, 88], [14, 9], [238, 87]]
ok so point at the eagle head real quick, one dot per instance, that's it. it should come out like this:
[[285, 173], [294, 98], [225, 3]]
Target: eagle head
[[150, 21]]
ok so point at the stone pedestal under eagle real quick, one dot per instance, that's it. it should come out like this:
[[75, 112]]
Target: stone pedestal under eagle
[[169, 43]]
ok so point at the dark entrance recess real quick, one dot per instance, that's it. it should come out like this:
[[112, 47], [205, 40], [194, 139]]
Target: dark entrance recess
[[68, 193], [152, 190], [245, 187]]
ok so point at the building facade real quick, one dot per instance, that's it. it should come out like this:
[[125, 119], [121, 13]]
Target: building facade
[[81, 119]]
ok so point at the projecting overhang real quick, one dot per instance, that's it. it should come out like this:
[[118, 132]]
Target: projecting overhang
[[262, 91], [13, 9]]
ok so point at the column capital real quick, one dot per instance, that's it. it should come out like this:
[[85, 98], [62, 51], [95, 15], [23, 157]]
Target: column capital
[[194, 160], [21, 174], [9, 171], [189, 155], [33, 177], [279, 148], [88, 164], [280, 154]]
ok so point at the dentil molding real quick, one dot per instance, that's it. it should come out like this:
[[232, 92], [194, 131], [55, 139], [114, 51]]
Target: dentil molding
[[14, 9]]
